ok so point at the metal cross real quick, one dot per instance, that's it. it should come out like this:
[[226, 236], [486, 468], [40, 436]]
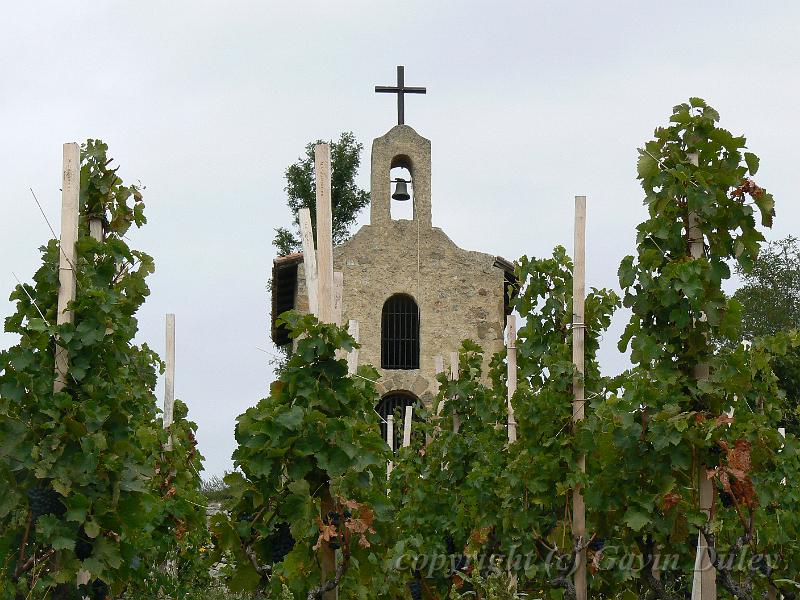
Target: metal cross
[[400, 90]]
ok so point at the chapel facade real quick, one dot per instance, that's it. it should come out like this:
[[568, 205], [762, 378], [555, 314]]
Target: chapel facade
[[414, 293]]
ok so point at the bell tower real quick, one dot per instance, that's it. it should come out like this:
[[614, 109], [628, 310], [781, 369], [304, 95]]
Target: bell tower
[[400, 147]]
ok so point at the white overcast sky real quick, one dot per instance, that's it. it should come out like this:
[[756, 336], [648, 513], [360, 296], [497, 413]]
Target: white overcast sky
[[529, 103]]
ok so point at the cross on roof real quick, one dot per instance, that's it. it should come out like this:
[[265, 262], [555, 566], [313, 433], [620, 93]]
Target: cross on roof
[[400, 90]]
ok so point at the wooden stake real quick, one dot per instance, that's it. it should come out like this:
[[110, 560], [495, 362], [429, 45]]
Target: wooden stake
[[309, 260], [96, 229], [707, 588], [511, 357], [578, 404], [169, 376], [407, 426], [352, 356], [70, 202], [438, 364], [438, 368], [322, 166], [390, 441], [453, 377], [325, 301], [338, 290]]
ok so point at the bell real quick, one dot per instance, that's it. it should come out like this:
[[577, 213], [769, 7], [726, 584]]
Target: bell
[[400, 190]]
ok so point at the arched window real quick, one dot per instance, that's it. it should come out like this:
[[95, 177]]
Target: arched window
[[400, 333], [394, 403]]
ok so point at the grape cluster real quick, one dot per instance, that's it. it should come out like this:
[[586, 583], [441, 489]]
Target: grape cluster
[[83, 545], [44, 501], [415, 587], [726, 499], [597, 544], [96, 590], [759, 563], [99, 590], [282, 542], [459, 560]]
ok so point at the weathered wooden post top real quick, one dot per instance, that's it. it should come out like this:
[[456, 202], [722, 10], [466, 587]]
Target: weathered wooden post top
[[414, 293]]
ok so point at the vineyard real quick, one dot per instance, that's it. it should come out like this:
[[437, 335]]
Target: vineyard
[[681, 466]]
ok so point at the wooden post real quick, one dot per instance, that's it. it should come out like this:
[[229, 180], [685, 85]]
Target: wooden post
[[325, 304], [352, 356], [578, 404], [309, 260], [409, 413], [438, 364], [707, 588], [322, 166], [96, 229], [169, 376], [453, 377], [70, 202], [511, 357], [438, 368], [338, 291], [390, 441]]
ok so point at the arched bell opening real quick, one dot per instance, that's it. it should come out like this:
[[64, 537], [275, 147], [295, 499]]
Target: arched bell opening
[[395, 403], [401, 188]]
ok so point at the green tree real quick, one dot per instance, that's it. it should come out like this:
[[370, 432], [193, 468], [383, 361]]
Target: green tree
[[770, 290], [347, 199], [770, 299]]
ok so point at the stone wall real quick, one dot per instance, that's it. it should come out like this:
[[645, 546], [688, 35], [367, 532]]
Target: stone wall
[[459, 294]]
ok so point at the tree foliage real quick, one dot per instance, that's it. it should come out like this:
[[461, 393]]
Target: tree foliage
[[770, 299], [347, 199], [770, 290]]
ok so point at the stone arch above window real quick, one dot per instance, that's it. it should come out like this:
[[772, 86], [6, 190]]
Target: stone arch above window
[[400, 320]]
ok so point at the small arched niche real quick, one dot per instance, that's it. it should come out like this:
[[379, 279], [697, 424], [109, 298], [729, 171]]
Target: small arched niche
[[401, 170]]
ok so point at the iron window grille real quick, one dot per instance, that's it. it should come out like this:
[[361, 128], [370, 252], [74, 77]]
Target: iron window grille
[[400, 333]]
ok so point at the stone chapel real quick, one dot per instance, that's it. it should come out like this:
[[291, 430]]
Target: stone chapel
[[414, 293]]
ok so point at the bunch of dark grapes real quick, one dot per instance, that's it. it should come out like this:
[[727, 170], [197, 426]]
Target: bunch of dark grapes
[[458, 561], [83, 545], [96, 590], [759, 563], [726, 499], [282, 542], [99, 590], [44, 501], [597, 544], [415, 587], [449, 544]]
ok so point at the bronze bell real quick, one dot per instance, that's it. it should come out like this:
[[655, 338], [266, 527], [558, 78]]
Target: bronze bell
[[400, 190]]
